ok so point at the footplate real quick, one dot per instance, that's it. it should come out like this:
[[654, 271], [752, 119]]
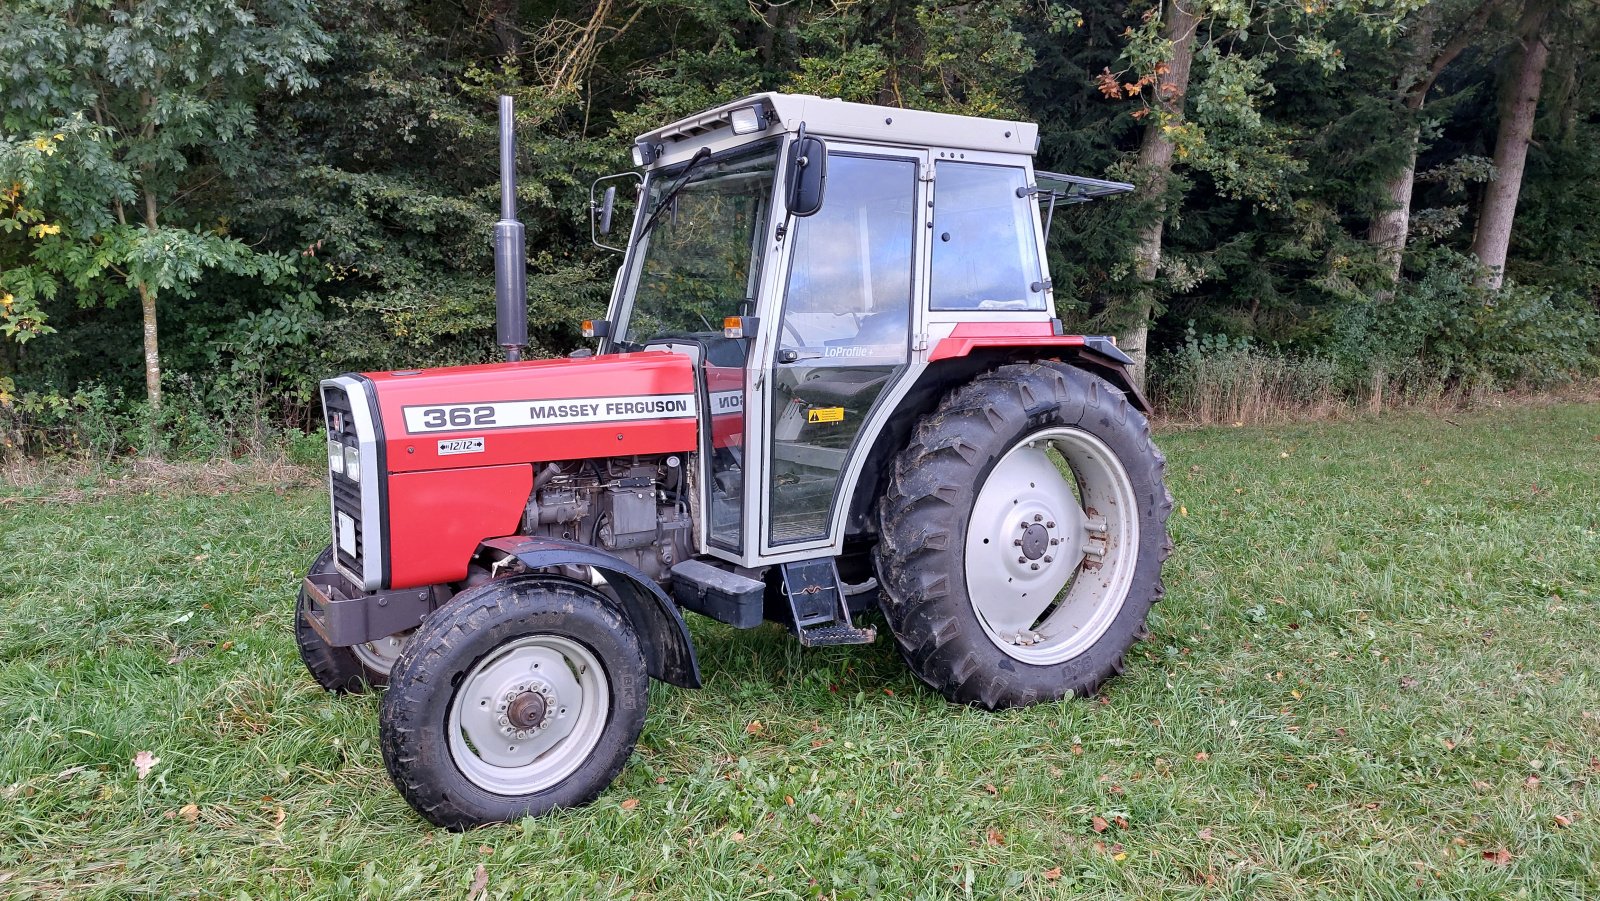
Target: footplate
[[818, 604]]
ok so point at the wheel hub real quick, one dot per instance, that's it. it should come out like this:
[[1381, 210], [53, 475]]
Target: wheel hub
[[527, 710], [1035, 540]]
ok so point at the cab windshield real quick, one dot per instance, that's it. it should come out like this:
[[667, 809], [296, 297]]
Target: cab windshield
[[700, 260]]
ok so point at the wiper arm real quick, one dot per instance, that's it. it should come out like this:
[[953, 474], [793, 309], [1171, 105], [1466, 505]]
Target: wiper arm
[[666, 199]]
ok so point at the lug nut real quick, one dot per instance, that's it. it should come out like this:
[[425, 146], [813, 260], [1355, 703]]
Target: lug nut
[[1017, 542], [1054, 542], [1033, 566], [1050, 525], [1022, 559], [1049, 559], [1038, 518]]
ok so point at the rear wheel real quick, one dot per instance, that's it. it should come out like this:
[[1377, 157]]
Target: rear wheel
[[518, 697], [1023, 533], [352, 669]]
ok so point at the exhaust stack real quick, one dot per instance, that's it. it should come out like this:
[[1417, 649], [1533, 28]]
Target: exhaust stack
[[510, 248]]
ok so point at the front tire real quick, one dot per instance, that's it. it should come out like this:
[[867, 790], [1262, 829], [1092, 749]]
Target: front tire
[[518, 697], [342, 670], [1023, 534]]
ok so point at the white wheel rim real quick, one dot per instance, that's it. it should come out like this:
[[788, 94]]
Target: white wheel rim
[[1048, 567], [564, 679], [379, 656]]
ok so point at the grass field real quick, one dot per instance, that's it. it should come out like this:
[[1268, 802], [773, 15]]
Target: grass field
[[1375, 675]]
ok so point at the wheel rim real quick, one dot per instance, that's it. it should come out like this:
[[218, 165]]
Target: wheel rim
[[380, 655], [1050, 556], [528, 714]]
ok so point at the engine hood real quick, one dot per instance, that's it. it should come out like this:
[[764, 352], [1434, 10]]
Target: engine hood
[[536, 410]]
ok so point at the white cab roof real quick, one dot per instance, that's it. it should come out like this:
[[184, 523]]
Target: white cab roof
[[839, 119]]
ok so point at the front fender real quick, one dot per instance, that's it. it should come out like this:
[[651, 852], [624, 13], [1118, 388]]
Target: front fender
[[663, 635]]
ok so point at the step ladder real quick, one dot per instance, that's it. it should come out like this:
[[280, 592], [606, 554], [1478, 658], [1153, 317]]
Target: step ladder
[[817, 601]]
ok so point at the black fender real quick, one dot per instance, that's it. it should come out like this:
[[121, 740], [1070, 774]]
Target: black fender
[[663, 635]]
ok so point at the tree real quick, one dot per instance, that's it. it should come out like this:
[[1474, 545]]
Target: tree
[[1518, 104], [121, 115], [1427, 58]]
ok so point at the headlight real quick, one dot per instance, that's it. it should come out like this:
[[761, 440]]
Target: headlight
[[335, 456], [352, 463]]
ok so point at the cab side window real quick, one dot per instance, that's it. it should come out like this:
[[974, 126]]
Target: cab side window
[[985, 256]]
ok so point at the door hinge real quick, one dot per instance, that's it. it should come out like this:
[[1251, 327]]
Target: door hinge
[[919, 341], [927, 174]]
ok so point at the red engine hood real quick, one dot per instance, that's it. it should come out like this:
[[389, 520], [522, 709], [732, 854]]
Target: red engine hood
[[537, 410]]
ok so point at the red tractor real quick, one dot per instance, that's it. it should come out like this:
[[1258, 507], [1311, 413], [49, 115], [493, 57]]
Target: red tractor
[[830, 377]]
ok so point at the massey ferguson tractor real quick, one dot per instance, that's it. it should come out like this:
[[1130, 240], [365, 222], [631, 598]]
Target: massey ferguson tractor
[[830, 378]]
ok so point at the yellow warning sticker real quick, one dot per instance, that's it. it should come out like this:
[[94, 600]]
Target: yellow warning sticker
[[825, 414]]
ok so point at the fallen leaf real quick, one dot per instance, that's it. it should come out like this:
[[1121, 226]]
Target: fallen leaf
[[1563, 820], [661, 780], [1205, 834], [1122, 822], [1052, 874], [630, 804], [1480, 785], [1407, 682], [789, 800], [189, 812], [753, 728], [815, 820], [738, 836], [1499, 857], [485, 849], [989, 787], [1077, 750], [1449, 745], [889, 692], [996, 837], [480, 884], [1531, 782], [144, 762], [1099, 824], [1202, 757], [1120, 856]]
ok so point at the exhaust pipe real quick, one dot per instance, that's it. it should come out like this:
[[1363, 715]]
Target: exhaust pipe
[[510, 249]]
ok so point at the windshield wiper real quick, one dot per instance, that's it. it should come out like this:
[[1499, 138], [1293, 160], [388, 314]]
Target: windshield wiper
[[666, 199]]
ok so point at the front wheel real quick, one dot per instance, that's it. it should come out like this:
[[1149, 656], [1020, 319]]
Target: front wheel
[[1023, 533], [342, 670], [517, 697]]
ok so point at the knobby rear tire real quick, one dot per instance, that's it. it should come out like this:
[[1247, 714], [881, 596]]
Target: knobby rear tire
[[924, 515]]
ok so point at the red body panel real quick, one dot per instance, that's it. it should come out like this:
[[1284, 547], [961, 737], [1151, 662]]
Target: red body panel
[[458, 443], [646, 374], [969, 336], [437, 519]]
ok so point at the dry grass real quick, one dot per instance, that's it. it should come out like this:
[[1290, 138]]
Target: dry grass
[[68, 481]]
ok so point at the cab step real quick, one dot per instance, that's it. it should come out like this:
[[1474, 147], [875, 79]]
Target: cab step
[[715, 592], [819, 605]]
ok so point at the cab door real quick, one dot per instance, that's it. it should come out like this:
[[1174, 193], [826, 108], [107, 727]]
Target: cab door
[[843, 337]]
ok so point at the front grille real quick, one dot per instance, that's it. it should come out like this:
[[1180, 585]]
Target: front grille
[[346, 491]]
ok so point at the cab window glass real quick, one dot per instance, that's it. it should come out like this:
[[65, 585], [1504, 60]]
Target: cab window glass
[[984, 252]]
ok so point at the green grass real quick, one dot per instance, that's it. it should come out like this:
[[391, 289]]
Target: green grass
[[1377, 636]]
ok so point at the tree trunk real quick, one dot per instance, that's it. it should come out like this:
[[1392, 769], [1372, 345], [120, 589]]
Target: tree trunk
[[1392, 226], [147, 302], [1155, 168], [152, 347], [1518, 105]]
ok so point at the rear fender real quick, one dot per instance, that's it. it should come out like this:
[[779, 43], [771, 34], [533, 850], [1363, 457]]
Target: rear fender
[[663, 635]]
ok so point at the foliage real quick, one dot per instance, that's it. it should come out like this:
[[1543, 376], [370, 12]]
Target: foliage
[[325, 175]]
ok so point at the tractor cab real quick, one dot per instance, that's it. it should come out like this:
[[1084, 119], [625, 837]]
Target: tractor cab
[[811, 256]]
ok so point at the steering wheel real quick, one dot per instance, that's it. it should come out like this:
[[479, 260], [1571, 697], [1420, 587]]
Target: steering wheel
[[789, 327]]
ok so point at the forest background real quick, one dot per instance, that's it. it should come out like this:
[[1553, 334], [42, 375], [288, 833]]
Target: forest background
[[208, 205]]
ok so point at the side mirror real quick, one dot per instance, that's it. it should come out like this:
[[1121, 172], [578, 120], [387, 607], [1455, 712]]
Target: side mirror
[[808, 174], [606, 207]]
